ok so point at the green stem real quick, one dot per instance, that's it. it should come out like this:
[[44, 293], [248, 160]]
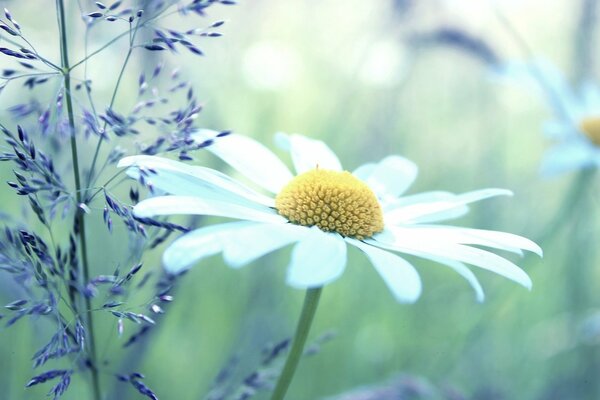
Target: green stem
[[579, 294], [585, 43], [64, 55], [571, 202], [311, 301]]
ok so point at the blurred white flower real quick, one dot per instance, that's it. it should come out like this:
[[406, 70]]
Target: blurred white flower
[[321, 210], [575, 125], [271, 66]]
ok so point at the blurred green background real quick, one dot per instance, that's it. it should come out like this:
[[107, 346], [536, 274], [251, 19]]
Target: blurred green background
[[347, 72]]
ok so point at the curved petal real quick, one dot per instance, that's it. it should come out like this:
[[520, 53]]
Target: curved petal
[[457, 266], [466, 273], [452, 251], [398, 274], [308, 153], [445, 214], [177, 205], [566, 157], [546, 79], [451, 234], [559, 130], [364, 171], [590, 94], [460, 269], [423, 197], [392, 176], [249, 243], [192, 247], [428, 197], [440, 209], [248, 157], [177, 178], [318, 259]]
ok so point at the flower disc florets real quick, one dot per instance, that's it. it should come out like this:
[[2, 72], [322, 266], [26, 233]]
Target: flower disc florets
[[591, 127], [333, 201]]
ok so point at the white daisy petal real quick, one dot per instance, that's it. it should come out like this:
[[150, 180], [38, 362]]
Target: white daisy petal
[[469, 255], [392, 176], [441, 209], [423, 197], [186, 180], [192, 247], [249, 243], [428, 197], [590, 95], [529, 75], [178, 205], [460, 269], [466, 273], [495, 239], [438, 216], [309, 153], [559, 130], [482, 194], [566, 157], [364, 171], [459, 235], [248, 157], [398, 274], [318, 259]]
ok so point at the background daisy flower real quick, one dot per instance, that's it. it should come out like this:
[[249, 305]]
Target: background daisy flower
[[320, 210], [574, 127]]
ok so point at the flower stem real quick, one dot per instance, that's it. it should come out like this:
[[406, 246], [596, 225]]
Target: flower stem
[[585, 43], [570, 203], [579, 294], [311, 301], [64, 55]]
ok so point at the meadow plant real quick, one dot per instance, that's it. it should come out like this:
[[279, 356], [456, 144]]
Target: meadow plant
[[46, 253]]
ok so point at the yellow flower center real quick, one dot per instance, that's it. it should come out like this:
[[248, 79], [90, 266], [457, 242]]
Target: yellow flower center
[[591, 127], [333, 201]]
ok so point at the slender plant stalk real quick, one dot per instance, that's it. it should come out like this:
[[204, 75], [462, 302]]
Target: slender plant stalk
[[115, 39], [311, 301], [579, 295], [78, 192], [90, 176], [571, 201], [582, 248], [585, 42]]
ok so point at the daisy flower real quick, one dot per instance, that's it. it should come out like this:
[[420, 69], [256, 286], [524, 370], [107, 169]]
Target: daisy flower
[[575, 126], [320, 210]]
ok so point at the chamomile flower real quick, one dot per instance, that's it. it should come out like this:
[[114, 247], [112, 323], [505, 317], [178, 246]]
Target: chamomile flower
[[320, 211], [575, 125]]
